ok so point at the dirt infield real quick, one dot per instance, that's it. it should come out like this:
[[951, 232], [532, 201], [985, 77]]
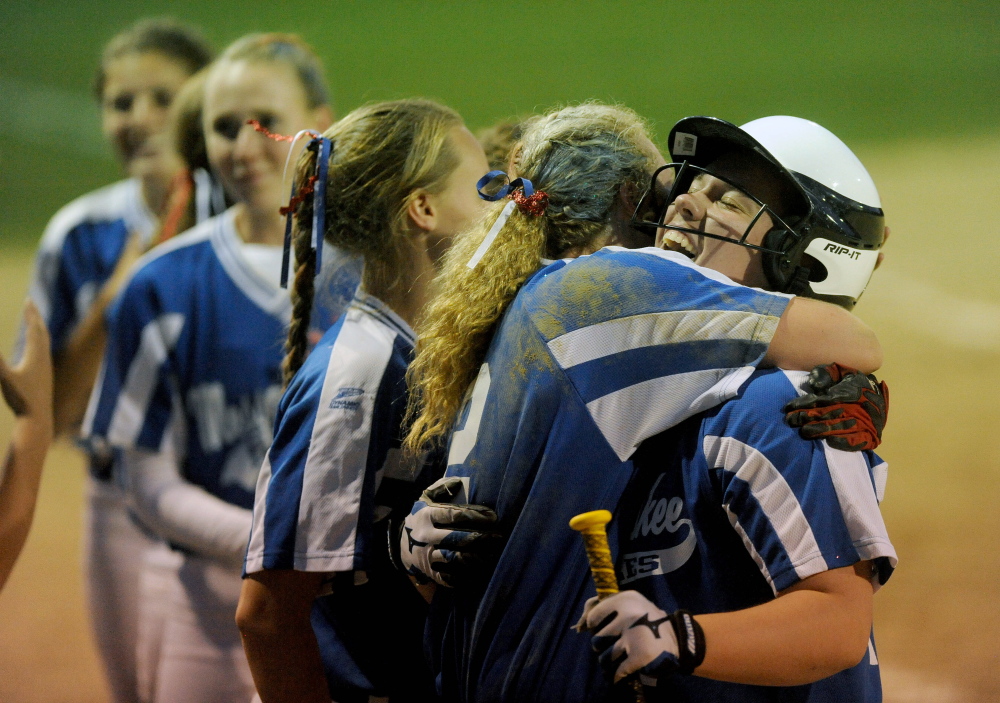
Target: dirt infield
[[936, 306]]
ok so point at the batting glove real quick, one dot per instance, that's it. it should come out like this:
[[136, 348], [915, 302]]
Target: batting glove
[[448, 544], [846, 408], [633, 636]]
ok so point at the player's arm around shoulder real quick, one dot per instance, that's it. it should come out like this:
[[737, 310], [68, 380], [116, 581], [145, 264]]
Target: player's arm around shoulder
[[812, 332]]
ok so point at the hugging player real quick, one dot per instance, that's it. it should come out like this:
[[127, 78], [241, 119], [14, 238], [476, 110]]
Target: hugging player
[[586, 358], [750, 555]]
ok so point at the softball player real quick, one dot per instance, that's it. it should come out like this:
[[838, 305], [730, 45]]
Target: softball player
[[196, 194], [776, 544], [82, 261], [400, 186], [191, 379], [593, 356]]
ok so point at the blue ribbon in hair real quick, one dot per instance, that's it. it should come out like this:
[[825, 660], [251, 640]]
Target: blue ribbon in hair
[[507, 188], [324, 148], [319, 200]]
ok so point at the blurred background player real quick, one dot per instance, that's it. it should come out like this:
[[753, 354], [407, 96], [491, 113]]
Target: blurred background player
[[27, 390], [192, 376], [195, 194], [753, 554], [82, 261], [401, 186], [592, 356], [498, 141]]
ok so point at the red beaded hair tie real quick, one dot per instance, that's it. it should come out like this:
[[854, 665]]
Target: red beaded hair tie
[[533, 205]]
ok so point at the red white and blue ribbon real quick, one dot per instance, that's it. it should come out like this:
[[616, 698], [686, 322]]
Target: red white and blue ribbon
[[315, 185], [522, 195]]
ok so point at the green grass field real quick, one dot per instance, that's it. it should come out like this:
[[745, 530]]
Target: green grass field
[[874, 73]]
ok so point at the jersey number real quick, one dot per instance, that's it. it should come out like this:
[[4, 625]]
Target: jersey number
[[464, 439]]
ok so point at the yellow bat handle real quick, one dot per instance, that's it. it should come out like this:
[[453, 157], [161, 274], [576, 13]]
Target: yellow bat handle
[[602, 568], [595, 541]]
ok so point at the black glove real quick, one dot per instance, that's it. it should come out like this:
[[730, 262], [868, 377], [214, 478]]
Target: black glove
[[846, 408]]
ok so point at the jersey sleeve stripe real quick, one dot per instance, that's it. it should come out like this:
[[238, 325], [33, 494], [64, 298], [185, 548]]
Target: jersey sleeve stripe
[[682, 260], [333, 484], [858, 504], [880, 476], [776, 499], [659, 328], [157, 339], [600, 377], [633, 414]]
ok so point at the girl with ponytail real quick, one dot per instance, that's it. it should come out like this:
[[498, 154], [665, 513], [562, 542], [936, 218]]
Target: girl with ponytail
[[395, 182], [541, 377]]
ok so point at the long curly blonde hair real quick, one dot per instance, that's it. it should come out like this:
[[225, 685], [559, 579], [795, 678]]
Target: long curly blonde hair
[[583, 157]]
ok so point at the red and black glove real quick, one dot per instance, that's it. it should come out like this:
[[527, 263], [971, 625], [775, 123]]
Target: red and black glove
[[846, 408]]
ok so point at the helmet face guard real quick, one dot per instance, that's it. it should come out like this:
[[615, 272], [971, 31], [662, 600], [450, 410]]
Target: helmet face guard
[[826, 250], [650, 212]]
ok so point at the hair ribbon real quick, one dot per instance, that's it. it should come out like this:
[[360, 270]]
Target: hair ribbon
[[316, 185], [521, 193]]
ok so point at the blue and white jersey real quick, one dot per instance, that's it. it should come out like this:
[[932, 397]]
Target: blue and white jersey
[[79, 251], [331, 478], [334, 467], [193, 360], [594, 356], [732, 507]]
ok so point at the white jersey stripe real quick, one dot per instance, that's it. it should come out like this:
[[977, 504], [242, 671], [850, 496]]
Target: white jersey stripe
[[357, 364], [633, 414], [158, 338], [880, 475], [775, 498], [651, 329], [859, 506]]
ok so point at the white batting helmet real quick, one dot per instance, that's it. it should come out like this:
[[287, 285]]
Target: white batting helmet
[[828, 246]]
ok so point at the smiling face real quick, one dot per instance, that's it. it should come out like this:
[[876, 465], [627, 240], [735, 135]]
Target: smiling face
[[135, 104], [715, 206], [248, 164]]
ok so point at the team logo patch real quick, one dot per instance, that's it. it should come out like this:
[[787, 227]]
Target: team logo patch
[[347, 398]]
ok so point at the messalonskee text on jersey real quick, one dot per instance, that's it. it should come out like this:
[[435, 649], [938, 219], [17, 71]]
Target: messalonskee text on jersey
[[248, 423], [659, 515]]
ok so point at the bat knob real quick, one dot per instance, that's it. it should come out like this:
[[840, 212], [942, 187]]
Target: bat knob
[[585, 521]]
